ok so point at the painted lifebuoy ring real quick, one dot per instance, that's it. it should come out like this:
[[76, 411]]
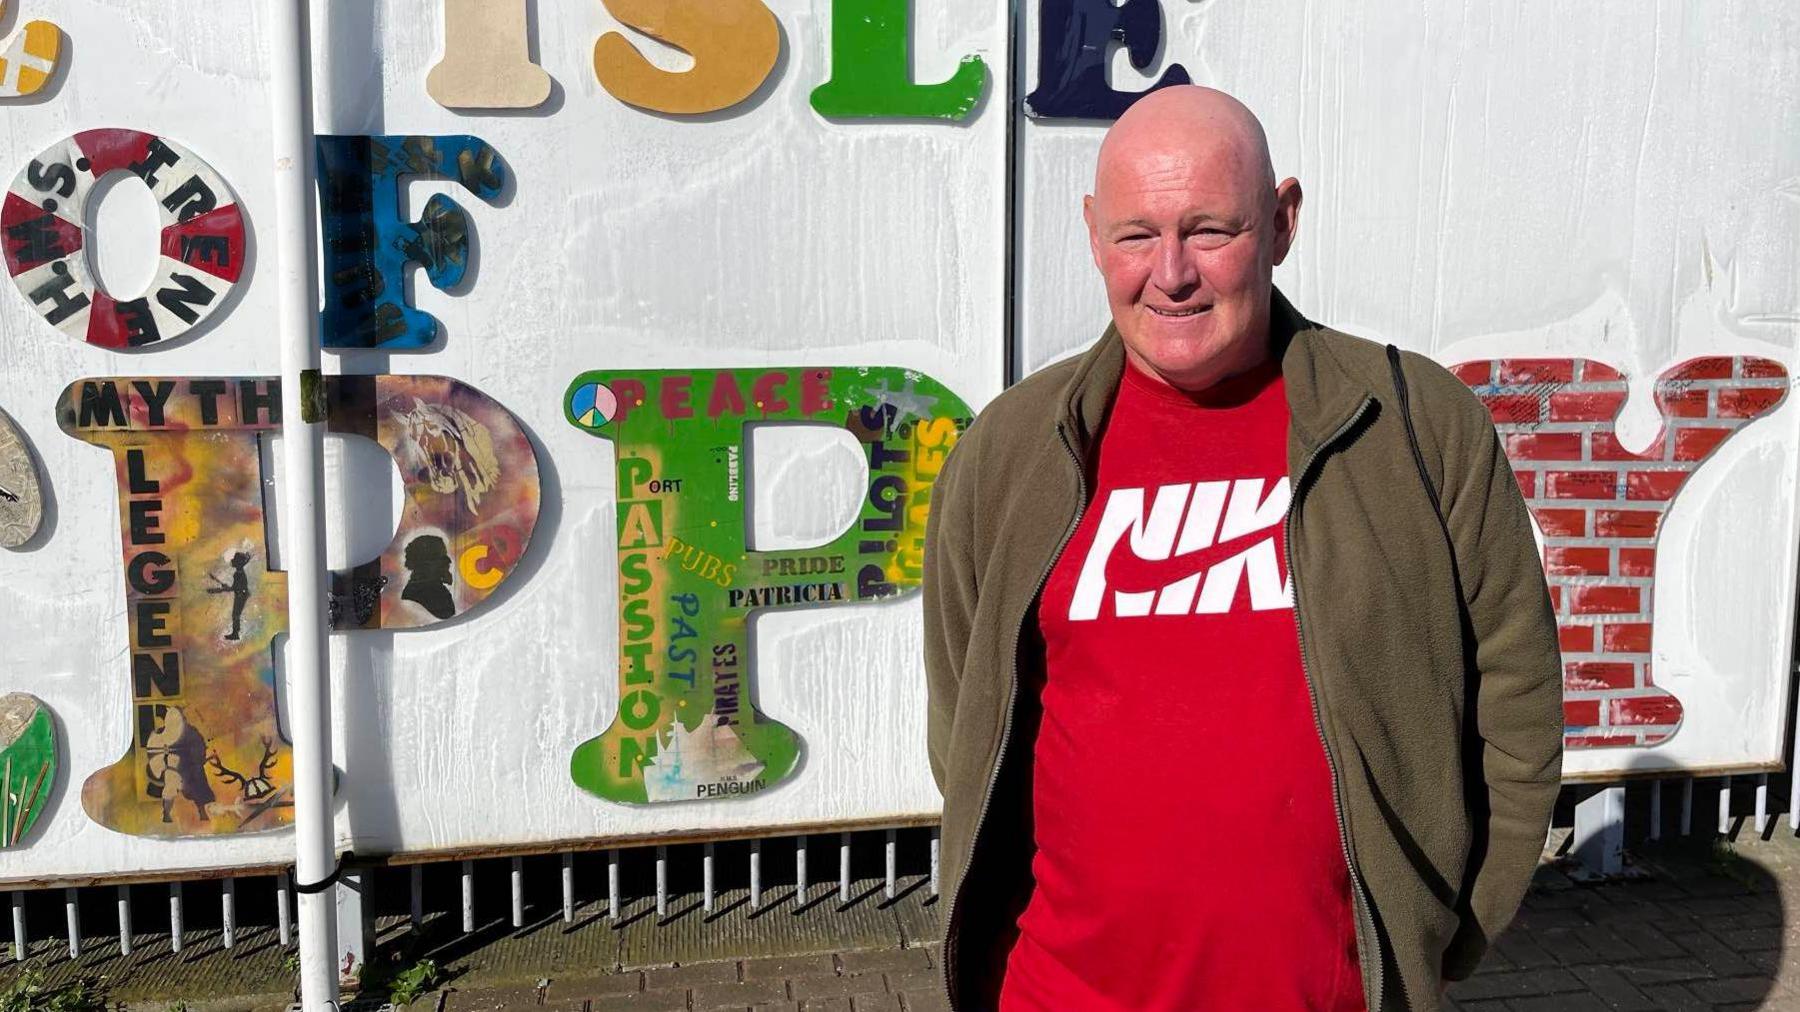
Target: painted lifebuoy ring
[[44, 238]]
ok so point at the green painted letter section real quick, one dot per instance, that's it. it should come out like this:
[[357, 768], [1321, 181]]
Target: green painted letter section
[[687, 727], [870, 72]]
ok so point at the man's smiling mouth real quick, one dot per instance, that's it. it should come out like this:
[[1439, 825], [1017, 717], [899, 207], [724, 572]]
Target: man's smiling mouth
[[1194, 311]]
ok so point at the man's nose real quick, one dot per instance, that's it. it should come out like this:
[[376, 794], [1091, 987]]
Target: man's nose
[[1174, 271]]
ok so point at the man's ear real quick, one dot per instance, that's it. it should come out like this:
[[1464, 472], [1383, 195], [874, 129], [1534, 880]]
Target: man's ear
[[1087, 215], [1287, 216]]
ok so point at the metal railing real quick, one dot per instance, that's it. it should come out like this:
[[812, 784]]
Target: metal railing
[[769, 866]]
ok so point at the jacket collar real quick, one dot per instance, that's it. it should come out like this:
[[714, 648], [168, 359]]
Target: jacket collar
[[1321, 394]]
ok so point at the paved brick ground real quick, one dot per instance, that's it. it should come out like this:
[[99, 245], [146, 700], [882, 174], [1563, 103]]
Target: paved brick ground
[[878, 980], [1708, 926], [1703, 927]]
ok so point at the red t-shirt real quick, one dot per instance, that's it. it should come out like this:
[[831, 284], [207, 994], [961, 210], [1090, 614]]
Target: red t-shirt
[[1188, 854]]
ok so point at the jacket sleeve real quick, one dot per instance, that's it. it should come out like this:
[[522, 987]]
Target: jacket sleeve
[[1518, 696], [949, 591]]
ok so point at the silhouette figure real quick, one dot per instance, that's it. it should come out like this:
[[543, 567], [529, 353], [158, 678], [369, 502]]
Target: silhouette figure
[[429, 563], [238, 588], [177, 764]]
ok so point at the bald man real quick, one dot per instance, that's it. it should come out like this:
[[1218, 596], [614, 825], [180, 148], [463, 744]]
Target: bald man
[[1243, 675]]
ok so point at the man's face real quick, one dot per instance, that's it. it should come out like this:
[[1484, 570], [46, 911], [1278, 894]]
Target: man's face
[[1186, 234]]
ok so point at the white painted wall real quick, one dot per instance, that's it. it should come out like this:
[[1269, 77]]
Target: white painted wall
[[765, 235], [191, 72], [1617, 181]]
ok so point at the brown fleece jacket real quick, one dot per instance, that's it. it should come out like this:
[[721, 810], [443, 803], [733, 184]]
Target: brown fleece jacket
[[1427, 637]]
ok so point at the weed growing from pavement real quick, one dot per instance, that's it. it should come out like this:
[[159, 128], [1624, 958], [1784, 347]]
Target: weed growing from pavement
[[407, 985], [1723, 859], [29, 993]]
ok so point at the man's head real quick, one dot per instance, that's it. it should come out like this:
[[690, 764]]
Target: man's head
[[1186, 224]]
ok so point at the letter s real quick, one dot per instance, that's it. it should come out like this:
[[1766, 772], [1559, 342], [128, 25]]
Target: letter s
[[57, 178], [734, 44], [639, 625]]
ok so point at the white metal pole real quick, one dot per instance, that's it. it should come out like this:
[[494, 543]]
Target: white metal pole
[[72, 913], [468, 897], [706, 875], [662, 881], [309, 704], [756, 874], [934, 860], [518, 892], [21, 947], [1725, 807], [893, 862], [568, 884], [612, 885], [1656, 787], [284, 910], [1762, 803], [228, 913], [843, 867], [175, 917], [124, 920]]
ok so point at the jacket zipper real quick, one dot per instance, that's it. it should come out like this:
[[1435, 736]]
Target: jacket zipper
[[1359, 900], [1012, 692]]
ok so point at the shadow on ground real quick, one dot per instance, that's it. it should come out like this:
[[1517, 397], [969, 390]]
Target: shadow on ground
[[1699, 924]]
